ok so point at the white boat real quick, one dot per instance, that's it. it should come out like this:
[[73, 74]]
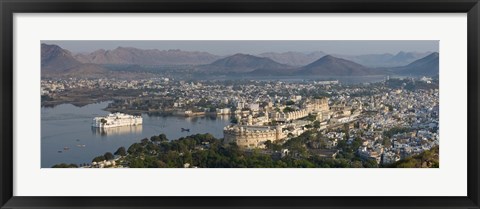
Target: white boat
[[116, 120]]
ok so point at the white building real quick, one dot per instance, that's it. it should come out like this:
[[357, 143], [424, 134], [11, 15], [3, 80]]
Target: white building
[[116, 120]]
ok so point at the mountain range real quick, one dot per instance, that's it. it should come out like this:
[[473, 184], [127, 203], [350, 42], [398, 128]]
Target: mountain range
[[294, 58], [242, 63], [333, 66], [134, 56], [56, 61], [428, 66], [368, 60], [55, 58], [59, 62]]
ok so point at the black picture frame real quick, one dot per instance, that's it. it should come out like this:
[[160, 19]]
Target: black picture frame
[[10, 7]]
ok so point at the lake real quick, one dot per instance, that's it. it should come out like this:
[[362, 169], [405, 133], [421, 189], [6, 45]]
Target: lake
[[342, 79], [67, 135]]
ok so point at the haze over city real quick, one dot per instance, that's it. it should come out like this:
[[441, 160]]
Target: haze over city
[[346, 47]]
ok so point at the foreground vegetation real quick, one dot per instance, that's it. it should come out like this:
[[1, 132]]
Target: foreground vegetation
[[205, 151], [426, 159]]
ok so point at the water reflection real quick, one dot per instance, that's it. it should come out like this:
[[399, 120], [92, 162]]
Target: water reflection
[[69, 126], [122, 130]]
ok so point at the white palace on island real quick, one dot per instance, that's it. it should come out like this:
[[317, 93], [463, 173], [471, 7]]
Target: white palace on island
[[116, 120]]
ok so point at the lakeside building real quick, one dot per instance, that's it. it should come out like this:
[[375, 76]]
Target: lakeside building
[[249, 136], [121, 130], [317, 107], [254, 131], [116, 120]]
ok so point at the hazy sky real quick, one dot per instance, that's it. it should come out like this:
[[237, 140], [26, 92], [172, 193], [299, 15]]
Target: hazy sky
[[257, 47]]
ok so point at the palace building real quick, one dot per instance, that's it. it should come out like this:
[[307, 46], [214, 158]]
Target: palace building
[[252, 136], [253, 132]]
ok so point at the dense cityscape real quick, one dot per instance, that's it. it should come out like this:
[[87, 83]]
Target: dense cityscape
[[240, 104], [306, 123]]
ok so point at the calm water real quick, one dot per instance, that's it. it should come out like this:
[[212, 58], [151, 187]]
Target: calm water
[[69, 126]]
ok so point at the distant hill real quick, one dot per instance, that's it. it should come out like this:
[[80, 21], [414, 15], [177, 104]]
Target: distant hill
[[242, 63], [386, 59], [403, 56], [57, 62], [333, 66], [426, 66], [129, 55], [367, 60], [372, 60], [293, 58], [55, 59]]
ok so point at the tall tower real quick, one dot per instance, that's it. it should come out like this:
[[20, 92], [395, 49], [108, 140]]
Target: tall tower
[[250, 120], [278, 132]]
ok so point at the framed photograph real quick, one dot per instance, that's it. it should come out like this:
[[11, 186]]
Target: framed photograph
[[239, 104]]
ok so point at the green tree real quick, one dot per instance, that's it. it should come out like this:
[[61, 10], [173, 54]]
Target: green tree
[[154, 138], [161, 164], [163, 138], [370, 163], [121, 151], [98, 159], [288, 109], [357, 164], [135, 148], [159, 138], [268, 144], [109, 156], [144, 141], [64, 165], [136, 163]]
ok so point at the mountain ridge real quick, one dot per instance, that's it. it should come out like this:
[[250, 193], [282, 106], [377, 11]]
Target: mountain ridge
[[368, 60], [426, 66], [56, 61], [241, 63], [131, 55], [329, 65]]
